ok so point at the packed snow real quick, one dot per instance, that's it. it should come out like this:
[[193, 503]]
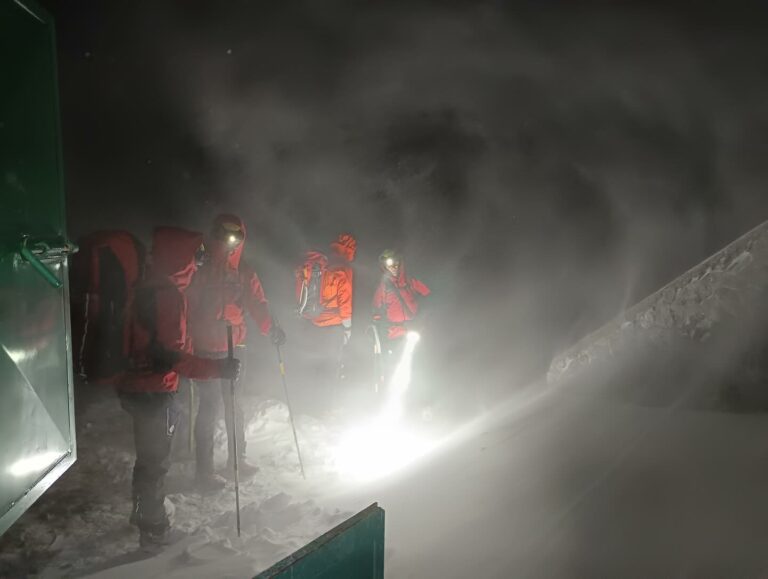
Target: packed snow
[[557, 481], [80, 527]]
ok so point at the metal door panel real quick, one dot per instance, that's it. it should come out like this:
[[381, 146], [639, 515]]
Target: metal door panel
[[37, 441]]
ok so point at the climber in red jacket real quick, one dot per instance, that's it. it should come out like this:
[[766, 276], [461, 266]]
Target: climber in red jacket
[[397, 303], [225, 291], [158, 352]]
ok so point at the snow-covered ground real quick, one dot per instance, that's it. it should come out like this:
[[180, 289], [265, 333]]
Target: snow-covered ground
[[81, 524], [555, 482]]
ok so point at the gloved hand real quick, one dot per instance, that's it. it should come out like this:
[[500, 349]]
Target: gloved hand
[[277, 335], [229, 369], [347, 324]]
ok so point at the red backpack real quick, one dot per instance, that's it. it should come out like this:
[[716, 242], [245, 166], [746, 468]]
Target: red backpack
[[103, 278]]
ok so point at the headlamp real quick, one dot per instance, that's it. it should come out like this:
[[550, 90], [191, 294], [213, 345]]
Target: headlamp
[[231, 234], [412, 336], [390, 262]]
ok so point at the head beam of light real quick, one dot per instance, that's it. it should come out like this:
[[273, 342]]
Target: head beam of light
[[386, 445], [401, 380]]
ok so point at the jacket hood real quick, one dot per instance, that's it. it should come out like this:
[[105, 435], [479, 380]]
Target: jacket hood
[[219, 250], [173, 255], [345, 246], [401, 279]]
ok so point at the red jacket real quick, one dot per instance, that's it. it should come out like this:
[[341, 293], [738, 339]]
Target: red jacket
[[173, 265], [225, 289], [396, 301]]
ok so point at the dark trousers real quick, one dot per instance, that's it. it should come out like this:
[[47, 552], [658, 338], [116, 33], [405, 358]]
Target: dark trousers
[[155, 417], [211, 393], [323, 352]]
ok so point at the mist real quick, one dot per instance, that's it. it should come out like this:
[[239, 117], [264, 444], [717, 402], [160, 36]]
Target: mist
[[542, 169]]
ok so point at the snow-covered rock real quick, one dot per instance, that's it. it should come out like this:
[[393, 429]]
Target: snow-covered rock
[[728, 286]]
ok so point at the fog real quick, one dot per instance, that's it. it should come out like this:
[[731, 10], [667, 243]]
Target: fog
[[541, 168]]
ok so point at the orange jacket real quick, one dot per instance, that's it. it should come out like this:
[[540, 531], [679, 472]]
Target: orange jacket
[[337, 284]]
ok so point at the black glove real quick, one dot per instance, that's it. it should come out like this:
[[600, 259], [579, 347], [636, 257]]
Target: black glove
[[229, 369], [277, 335], [347, 326]]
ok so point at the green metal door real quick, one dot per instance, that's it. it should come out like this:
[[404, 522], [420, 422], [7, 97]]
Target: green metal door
[[37, 440], [354, 550]]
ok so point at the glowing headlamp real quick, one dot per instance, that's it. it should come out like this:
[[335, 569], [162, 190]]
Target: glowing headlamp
[[390, 262], [412, 336], [230, 234]]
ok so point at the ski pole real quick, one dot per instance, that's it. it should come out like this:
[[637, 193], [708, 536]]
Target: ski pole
[[233, 434], [290, 412], [191, 420]]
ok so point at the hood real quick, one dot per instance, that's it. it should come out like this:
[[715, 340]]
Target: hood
[[401, 279], [312, 256], [219, 250], [173, 254], [345, 246]]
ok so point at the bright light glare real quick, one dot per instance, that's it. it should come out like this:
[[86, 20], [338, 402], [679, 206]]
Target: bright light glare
[[390, 262], [19, 356], [232, 239], [377, 450], [385, 446], [34, 463], [401, 379]]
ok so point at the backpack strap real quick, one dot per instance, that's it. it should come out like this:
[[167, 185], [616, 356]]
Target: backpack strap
[[398, 295], [161, 359]]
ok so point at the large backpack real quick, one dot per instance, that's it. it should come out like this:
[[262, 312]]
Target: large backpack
[[104, 277], [310, 277]]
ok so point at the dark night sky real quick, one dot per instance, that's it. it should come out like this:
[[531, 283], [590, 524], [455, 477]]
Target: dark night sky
[[550, 163]]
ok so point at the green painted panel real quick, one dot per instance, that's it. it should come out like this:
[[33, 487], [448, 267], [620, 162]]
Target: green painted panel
[[30, 164], [354, 549], [36, 404]]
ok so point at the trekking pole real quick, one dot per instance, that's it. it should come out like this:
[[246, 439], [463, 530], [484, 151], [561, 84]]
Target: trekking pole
[[288, 403], [233, 434], [191, 420]]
